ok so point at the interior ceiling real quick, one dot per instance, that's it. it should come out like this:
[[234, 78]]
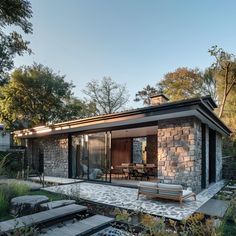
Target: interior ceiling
[[136, 132]]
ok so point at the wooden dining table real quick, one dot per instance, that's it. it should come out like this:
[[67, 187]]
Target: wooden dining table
[[136, 171]]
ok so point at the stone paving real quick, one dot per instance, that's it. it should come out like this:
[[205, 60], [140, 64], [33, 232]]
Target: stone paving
[[124, 197]]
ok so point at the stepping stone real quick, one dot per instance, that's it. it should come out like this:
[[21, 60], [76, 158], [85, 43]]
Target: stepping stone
[[227, 192], [214, 207], [231, 187], [27, 204], [40, 218], [83, 227], [56, 204]]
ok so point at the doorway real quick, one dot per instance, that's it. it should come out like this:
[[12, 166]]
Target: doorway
[[212, 156]]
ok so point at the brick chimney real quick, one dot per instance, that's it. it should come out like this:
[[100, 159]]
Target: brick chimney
[[158, 99]]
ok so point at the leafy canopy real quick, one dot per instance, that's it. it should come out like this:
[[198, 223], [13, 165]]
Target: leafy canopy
[[145, 94], [182, 83], [108, 96], [224, 68], [36, 95], [13, 13]]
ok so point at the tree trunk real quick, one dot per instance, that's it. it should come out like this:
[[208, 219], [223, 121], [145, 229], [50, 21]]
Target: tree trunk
[[222, 105]]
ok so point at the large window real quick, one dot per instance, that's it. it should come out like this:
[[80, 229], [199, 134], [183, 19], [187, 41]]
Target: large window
[[90, 156]]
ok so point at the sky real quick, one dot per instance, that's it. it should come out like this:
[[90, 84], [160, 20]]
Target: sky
[[134, 42]]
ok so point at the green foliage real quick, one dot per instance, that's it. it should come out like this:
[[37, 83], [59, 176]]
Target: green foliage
[[155, 226], [2, 165], [51, 196], [17, 13], [231, 212], [229, 146], [122, 215], [35, 95], [4, 203], [25, 231], [224, 68], [108, 96], [183, 83], [13, 13], [228, 228], [12, 163], [18, 189], [145, 94], [197, 225], [9, 191]]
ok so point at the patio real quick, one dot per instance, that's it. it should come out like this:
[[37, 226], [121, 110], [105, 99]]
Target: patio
[[126, 198]]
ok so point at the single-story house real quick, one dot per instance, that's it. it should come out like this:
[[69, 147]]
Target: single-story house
[[183, 139]]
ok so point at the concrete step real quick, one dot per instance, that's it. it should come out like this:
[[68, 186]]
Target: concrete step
[[44, 217], [214, 207], [80, 228]]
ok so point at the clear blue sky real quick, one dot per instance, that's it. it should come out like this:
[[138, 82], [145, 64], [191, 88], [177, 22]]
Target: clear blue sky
[[135, 42]]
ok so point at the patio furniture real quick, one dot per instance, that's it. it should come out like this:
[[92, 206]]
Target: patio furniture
[[127, 169], [165, 191], [116, 172], [140, 171], [151, 169]]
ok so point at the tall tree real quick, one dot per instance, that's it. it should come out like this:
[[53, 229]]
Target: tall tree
[[209, 84], [182, 83], [13, 13], [36, 95], [145, 94], [225, 73], [108, 95]]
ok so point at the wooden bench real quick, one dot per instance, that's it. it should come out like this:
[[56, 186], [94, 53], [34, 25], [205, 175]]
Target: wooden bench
[[165, 191]]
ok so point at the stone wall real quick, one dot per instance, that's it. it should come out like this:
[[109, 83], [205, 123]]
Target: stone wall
[[137, 150], [179, 152], [55, 152], [218, 156]]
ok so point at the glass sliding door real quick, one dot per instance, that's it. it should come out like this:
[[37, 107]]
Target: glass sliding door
[[90, 156], [79, 157]]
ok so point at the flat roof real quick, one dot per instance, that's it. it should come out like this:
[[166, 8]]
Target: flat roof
[[202, 108]]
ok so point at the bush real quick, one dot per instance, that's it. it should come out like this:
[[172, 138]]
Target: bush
[[9, 191], [4, 204], [231, 212], [18, 189], [10, 163], [3, 161]]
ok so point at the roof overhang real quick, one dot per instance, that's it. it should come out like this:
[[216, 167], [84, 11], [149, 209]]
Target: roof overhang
[[135, 118]]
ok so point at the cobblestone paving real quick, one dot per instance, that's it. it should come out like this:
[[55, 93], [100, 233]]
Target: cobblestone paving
[[127, 198]]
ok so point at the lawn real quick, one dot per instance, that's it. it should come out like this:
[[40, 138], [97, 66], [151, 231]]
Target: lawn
[[10, 191]]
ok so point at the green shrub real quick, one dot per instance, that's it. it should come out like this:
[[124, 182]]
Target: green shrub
[[231, 212], [4, 204], [9, 191], [197, 225], [3, 161], [18, 189], [10, 163]]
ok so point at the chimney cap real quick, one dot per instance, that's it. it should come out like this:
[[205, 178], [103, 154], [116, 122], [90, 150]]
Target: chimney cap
[[160, 95]]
